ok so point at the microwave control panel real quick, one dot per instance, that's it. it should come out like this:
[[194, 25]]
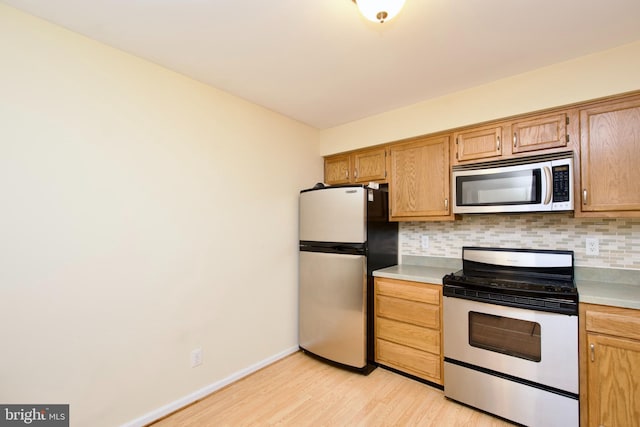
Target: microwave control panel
[[561, 186]]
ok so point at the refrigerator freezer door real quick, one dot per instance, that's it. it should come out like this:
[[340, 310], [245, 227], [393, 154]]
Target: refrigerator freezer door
[[334, 214], [333, 307]]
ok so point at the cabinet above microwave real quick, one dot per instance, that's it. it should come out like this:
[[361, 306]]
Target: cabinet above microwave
[[512, 138]]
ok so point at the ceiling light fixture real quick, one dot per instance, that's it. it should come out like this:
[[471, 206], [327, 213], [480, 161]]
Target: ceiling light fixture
[[379, 10]]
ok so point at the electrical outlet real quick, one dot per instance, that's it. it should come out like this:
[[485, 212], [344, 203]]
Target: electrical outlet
[[593, 246], [424, 241], [196, 357]]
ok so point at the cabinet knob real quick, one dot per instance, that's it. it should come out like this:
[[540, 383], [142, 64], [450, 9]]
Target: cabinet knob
[[498, 143], [355, 173], [592, 352], [515, 139], [584, 196], [446, 204]]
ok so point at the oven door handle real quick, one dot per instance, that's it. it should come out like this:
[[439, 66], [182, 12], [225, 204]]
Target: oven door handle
[[547, 174]]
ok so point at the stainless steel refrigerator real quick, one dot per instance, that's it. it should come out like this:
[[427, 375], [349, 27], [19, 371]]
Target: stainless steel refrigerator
[[344, 236]]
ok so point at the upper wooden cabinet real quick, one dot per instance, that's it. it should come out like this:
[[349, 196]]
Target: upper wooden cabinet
[[370, 165], [480, 143], [539, 133], [609, 366], [514, 138], [604, 135], [357, 167], [419, 180], [337, 169], [610, 158]]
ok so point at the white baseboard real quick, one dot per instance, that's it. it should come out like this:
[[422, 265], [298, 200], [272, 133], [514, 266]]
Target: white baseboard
[[199, 394]]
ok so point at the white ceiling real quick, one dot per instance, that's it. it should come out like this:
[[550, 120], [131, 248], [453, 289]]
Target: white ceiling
[[319, 62]]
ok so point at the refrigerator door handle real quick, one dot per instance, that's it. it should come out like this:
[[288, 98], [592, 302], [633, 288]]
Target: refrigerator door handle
[[337, 248]]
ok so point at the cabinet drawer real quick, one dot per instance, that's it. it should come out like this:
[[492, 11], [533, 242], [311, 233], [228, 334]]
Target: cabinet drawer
[[407, 334], [416, 313], [415, 362], [413, 291], [622, 322]]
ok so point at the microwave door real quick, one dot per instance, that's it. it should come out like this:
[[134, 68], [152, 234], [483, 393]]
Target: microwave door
[[507, 189]]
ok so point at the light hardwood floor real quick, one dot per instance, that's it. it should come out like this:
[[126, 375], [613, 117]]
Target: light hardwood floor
[[301, 391]]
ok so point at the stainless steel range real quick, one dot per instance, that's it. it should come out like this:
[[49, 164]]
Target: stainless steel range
[[511, 335]]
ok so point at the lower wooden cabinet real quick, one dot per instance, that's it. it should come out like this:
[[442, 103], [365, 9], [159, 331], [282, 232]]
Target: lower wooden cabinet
[[408, 332], [610, 366]]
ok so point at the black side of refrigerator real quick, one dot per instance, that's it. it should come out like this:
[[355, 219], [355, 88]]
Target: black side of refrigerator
[[382, 251]]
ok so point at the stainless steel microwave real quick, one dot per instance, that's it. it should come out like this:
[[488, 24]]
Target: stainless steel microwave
[[531, 184]]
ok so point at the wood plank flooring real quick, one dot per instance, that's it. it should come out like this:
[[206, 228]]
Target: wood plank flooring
[[301, 391]]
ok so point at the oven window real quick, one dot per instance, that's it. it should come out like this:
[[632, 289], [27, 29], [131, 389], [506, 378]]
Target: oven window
[[515, 337]]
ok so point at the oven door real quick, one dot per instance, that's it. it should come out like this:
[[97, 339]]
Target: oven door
[[537, 346]]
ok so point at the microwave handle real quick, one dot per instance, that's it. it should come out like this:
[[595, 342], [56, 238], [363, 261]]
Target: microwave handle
[[547, 174]]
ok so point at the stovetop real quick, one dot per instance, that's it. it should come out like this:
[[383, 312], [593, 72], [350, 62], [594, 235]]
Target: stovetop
[[534, 279], [527, 284]]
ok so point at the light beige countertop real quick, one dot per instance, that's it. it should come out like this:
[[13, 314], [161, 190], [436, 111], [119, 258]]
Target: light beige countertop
[[615, 294], [414, 273], [614, 287], [618, 288]]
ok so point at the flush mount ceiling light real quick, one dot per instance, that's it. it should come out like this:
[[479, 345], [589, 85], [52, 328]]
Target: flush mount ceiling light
[[379, 10]]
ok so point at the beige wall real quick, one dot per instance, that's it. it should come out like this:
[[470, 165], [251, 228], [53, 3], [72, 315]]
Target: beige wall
[[143, 215], [602, 74]]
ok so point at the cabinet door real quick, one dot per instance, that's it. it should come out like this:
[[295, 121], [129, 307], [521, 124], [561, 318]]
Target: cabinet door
[[540, 133], [613, 381], [370, 165], [419, 180], [610, 157], [336, 169], [478, 143]]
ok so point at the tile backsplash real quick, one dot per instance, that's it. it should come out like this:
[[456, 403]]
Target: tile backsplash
[[619, 239]]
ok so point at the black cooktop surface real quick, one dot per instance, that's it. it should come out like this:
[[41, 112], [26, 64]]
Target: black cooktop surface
[[540, 280], [541, 285]]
